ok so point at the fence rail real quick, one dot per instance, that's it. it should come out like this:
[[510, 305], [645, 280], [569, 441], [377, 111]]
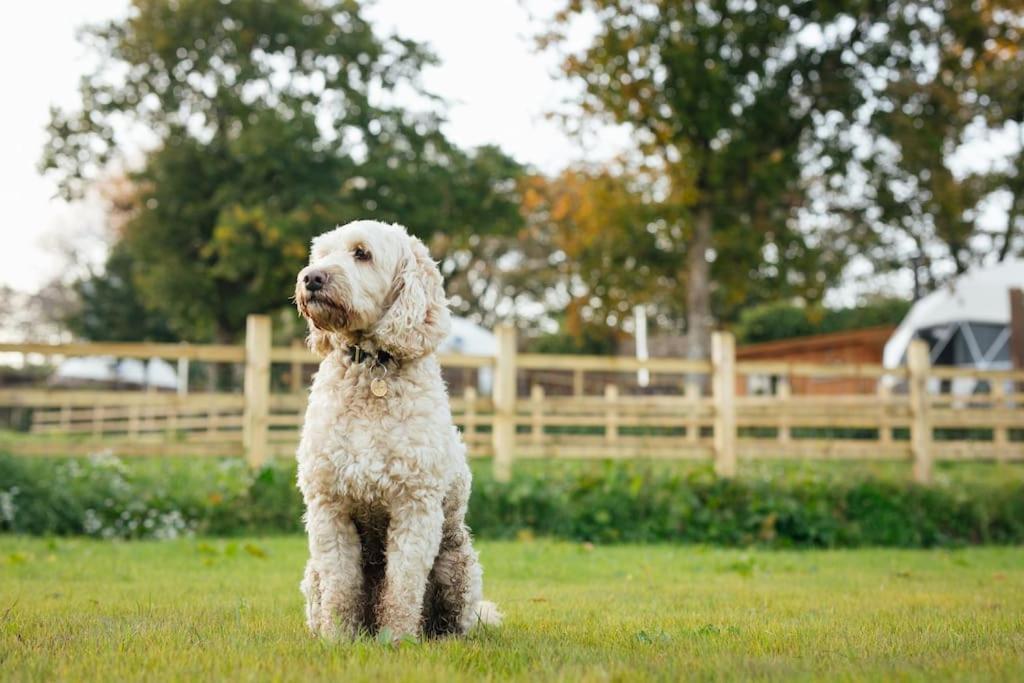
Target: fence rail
[[907, 416]]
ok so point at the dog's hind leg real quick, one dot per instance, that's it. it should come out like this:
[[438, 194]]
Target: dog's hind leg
[[453, 602], [454, 586], [334, 578]]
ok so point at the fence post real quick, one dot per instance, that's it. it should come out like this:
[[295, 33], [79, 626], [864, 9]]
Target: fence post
[[611, 413], [537, 414], [920, 426], [723, 382], [884, 406], [183, 377], [469, 417], [97, 420], [504, 431], [1000, 434], [577, 382], [257, 389], [295, 376], [133, 421], [785, 392], [692, 393]]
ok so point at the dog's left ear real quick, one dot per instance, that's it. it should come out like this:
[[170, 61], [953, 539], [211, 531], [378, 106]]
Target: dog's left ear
[[418, 319]]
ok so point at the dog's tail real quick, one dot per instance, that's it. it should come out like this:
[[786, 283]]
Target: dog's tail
[[487, 614]]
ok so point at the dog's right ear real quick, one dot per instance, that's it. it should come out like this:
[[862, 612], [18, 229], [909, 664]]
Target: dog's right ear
[[320, 342]]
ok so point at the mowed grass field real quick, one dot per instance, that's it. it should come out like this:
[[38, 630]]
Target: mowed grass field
[[195, 609]]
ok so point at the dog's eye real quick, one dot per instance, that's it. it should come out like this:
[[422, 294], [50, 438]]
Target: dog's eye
[[361, 254]]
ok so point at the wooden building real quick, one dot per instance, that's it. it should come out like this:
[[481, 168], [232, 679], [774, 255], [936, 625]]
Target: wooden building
[[850, 347]]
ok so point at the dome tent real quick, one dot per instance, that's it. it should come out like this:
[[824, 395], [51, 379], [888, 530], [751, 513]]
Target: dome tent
[[965, 323], [155, 373], [471, 339]]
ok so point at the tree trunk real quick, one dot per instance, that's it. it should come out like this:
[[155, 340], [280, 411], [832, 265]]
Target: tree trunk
[[698, 288], [227, 375]]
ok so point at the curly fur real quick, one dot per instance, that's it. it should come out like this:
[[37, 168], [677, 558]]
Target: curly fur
[[384, 479]]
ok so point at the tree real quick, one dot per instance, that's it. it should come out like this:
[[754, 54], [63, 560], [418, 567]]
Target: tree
[[471, 212], [729, 104], [266, 131], [947, 73], [783, 320], [598, 248], [108, 306]]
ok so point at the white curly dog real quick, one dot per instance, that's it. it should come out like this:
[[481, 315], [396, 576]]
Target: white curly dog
[[382, 468]]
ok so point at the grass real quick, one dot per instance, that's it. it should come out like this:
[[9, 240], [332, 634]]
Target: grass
[[217, 609]]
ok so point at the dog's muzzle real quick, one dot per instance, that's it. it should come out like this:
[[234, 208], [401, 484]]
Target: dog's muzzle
[[320, 296]]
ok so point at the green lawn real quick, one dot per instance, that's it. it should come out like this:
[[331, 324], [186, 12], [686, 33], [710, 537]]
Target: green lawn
[[218, 609]]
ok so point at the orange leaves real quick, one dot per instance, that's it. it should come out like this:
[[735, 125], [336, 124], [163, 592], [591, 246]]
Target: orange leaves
[[582, 208]]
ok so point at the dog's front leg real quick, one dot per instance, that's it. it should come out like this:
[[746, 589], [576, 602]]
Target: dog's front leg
[[334, 575], [413, 540]]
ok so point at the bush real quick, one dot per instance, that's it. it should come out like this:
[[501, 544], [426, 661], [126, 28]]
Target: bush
[[783, 320], [111, 498], [604, 502]]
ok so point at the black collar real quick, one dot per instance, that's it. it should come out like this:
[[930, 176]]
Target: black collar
[[357, 354]]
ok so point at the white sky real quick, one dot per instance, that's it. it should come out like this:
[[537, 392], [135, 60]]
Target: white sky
[[498, 89], [40, 64]]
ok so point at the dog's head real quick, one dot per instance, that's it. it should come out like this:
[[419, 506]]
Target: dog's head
[[368, 282]]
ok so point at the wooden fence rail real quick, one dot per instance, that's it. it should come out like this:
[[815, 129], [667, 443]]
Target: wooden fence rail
[[520, 413]]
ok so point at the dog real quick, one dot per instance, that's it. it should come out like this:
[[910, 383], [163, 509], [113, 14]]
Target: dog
[[381, 466]]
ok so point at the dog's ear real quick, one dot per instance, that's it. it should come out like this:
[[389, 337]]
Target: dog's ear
[[418, 319], [320, 342]]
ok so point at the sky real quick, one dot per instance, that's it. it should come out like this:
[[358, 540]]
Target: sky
[[498, 88]]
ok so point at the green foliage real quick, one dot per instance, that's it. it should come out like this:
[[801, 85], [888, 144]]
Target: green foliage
[[800, 134], [781, 320], [953, 74], [877, 312], [110, 308], [590, 339], [611, 502], [767, 322], [110, 498], [637, 503], [271, 125], [728, 106]]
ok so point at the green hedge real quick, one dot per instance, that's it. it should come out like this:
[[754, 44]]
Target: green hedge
[[605, 502]]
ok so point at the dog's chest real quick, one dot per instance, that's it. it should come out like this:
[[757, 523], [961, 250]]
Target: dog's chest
[[368, 447]]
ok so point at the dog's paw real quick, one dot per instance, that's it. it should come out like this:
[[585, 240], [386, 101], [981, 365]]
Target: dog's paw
[[386, 636], [487, 614]]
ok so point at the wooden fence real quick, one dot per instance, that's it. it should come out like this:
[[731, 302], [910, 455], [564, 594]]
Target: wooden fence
[[539, 408]]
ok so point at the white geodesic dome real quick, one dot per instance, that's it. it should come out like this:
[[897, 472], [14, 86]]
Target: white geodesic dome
[[966, 323], [469, 338]]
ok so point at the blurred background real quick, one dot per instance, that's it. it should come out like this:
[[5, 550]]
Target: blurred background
[[667, 229], [778, 170]]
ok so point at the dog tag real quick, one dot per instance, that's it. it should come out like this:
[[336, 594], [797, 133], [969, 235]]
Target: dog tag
[[378, 387]]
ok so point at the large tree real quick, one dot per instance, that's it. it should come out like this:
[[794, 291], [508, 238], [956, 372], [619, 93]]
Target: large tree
[[263, 123], [950, 73], [731, 105]]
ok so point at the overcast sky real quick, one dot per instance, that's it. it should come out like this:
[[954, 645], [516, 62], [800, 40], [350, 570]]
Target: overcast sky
[[499, 91]]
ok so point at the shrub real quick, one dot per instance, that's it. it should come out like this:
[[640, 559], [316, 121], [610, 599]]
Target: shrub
[[783, 320], [602, 502]]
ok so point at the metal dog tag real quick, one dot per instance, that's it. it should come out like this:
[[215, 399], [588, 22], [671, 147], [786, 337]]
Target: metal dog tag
[[378, 387]]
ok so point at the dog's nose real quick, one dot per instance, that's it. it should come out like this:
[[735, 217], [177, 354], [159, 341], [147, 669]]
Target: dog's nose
[[314, 280]]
